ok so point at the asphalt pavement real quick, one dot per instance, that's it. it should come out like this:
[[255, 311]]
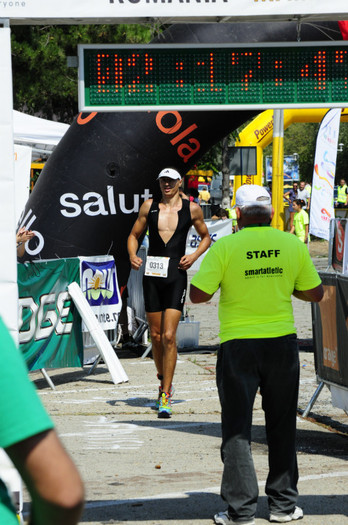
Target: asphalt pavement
[[142, 470]]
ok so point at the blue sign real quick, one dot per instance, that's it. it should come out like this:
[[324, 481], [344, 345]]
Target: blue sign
[[290, 168]]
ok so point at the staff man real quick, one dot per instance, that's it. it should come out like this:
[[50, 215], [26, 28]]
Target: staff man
[[165, 278], [258, 269]]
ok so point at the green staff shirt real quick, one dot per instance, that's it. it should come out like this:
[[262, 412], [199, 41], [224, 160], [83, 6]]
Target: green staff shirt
[[21, 412], [257, 270]]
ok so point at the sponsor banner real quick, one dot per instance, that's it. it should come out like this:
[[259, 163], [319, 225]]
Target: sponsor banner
[[339, 255], [217, 229], [8, 269], [290, 168], [100, 287], [88, 11], [330, 333], [322, 209], [49, 324]]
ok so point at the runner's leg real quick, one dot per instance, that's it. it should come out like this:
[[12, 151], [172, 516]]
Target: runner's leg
[[170, 323], [155, 322]]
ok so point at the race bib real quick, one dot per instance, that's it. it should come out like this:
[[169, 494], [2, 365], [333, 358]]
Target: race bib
[[156, 266]]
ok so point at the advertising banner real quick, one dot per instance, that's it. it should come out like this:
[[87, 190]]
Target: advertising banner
[[339, 253], [8, 270], [100, 287], [49, 325], [90, 11], [322, 209], [217, 229], [330, 330], [290, 168]]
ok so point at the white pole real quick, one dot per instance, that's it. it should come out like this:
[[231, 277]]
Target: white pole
[[8, 258]]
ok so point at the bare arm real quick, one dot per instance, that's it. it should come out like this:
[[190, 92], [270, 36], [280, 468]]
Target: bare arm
[[138, 228], [198, 296], [314, 295], [22, 237], [201, 228], [51, 477]]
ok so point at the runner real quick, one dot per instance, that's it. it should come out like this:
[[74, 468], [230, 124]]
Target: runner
[[165, 279]]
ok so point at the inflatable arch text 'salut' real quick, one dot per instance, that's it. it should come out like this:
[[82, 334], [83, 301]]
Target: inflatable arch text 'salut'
[[90, 190]]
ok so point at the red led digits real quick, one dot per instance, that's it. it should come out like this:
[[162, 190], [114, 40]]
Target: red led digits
[[179, 66], [278, 64], [320, 61], [103, 73]]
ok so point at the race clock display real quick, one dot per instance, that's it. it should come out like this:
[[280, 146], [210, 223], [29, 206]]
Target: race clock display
[[113, 78]]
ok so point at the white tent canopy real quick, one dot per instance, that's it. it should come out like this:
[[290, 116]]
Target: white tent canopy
[[42, 135]]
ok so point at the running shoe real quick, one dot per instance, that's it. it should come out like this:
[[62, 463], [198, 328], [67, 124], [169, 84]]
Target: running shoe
[[165, 409], [160, 391], [285, 518], [223, 518]]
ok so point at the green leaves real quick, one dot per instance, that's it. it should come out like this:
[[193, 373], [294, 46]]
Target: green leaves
[[42, 83]]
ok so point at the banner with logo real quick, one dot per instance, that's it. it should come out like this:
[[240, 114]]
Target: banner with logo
[[330, 331], [322, 209], [100, 287], [49, 324], [338, 258], [217, 229], [91, 11]]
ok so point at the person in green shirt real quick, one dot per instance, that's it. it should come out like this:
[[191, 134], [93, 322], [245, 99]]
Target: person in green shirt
[[301, 221], [28, 438], [257, 270]]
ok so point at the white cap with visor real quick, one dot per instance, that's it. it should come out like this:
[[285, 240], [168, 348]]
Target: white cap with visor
[[252, 195], [170, 173]]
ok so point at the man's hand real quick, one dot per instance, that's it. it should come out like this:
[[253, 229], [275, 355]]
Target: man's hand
[[187, 261], [136, 262]]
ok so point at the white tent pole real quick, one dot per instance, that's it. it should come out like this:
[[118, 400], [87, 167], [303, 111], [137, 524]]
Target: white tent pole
[[8, 260]]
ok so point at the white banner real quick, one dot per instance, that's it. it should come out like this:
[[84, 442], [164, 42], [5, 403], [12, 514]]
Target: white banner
[[108, 11], [217, 229], [8, 262], [22, 157], [322, 209]]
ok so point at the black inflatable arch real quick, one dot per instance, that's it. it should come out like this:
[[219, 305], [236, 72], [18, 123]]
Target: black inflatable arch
[[88, 195]]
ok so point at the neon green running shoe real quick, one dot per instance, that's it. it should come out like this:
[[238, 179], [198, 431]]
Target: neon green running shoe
[[165, 409]]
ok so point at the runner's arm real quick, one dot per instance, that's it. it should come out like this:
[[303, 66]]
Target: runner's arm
[[314, 295], [138, 228], [201, 228]]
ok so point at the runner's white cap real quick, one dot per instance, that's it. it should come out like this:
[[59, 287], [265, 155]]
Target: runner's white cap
[[252, 195], [170, 173]]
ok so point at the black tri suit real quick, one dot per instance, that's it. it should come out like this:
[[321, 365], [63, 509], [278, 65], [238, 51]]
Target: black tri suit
[[161, 293]]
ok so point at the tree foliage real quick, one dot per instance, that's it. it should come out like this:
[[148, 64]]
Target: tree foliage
[[43, 84]]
